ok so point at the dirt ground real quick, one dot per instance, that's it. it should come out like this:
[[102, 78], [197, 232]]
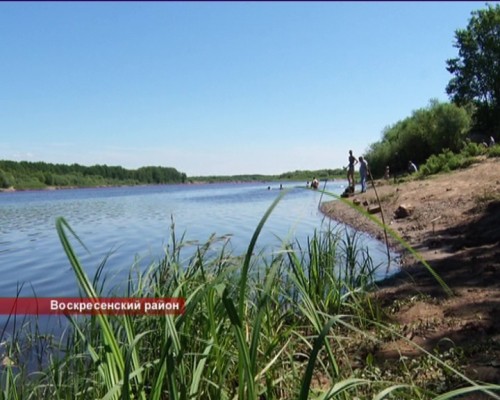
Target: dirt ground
[[455, 226]]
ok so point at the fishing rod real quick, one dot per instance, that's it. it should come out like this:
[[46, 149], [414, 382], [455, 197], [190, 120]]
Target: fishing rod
[[383, 221], [323, 191]]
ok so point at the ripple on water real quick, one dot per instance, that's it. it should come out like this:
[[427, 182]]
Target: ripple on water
[[134, 224]]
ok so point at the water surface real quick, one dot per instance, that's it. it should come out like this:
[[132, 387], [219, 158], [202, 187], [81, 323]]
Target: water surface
[[132, 225]]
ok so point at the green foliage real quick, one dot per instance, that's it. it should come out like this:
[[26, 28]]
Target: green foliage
[[446, 126], [156, 175], [438, 163], [427, 131], [448, 161], [239, 335], [37, 175], [232, 178], [494, 151], [298, 175], [476, 70], [6, 180], [307, 175], [259, 326], [473, 149]]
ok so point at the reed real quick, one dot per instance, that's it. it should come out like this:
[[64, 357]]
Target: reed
[[258, 326]]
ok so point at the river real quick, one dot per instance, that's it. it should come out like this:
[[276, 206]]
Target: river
[[132, 226]]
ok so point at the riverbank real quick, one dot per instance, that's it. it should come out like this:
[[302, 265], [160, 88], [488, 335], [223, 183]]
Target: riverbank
[[12, 189], [309, 328], [453, 222]]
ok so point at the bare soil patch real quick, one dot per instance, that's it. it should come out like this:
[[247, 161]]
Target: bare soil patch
[[455, 226]]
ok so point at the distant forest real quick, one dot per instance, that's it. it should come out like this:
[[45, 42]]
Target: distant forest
[[299, 175], [39, 175], [22, 175]]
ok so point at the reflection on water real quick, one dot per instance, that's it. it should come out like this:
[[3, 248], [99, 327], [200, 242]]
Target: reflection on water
[[134, 224]]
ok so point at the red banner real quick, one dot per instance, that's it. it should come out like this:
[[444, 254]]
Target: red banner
[[86, 306]]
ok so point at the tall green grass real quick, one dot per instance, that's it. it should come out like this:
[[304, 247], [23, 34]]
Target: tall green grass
[[258, 326], [447, 160]]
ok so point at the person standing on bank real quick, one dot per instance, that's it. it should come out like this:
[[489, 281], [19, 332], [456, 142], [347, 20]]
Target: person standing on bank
[[363, 173], [350, 170], [387, 174]]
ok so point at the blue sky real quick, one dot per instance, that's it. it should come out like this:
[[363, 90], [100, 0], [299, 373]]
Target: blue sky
[[217, 88]]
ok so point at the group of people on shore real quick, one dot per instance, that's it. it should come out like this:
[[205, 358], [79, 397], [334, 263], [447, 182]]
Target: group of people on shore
[[363, 172]]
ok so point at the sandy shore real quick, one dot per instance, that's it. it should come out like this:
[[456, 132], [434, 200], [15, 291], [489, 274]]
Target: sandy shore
[[449, 212], [454, 225]]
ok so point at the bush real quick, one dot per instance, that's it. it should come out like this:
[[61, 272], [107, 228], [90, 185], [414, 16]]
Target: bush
[[449, 161], [60, 180], [437, 163], [26, 182], [6, 180], [427, 131], [494, 151], [473, 149]]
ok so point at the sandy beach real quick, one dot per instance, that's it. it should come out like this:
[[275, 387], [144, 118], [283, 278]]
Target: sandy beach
[[453, 222]]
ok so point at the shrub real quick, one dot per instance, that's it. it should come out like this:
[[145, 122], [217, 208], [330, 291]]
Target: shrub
[[427, 131], [6, 180], [473, 149], [448, 161], [494, 151]]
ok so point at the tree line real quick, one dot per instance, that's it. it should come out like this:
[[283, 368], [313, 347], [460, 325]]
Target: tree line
[[37, 175], [427, 131], [298, 175], [321, 174], [474, 111]]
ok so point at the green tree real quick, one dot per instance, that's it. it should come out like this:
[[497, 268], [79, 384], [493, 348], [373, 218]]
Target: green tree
[[448, 127], [427, 131], [6, 179], [476, 70], [27, 174]]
